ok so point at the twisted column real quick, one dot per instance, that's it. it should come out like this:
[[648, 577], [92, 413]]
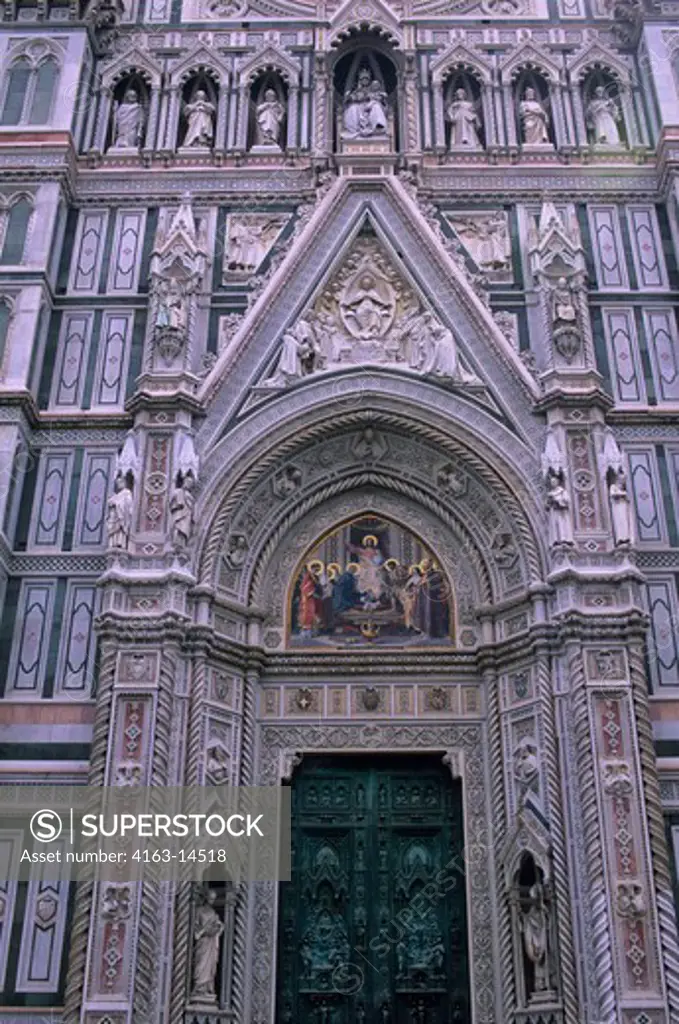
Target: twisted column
[[193, 777], [557, 835], [667, 921], [497, 788], [603, 960], [75, 980]]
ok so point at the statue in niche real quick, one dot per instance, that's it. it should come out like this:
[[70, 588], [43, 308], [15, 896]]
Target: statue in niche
[[128, 121], [269, 116], [526, 761], [534, 120], [603, 117], [200, 116], [182, 501], [119, 517], [534, 926], [299, 355], [217, 764], [171, 311], [464, 121], [365, 107], [620, 506], [565, 330], [207, 933], [559, 508]]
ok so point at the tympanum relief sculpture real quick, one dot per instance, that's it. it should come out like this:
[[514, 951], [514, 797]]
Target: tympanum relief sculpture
[[368, 315]]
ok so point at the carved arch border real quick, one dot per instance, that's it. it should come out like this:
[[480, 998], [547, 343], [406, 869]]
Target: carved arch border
[[218, 513], [462, 747]]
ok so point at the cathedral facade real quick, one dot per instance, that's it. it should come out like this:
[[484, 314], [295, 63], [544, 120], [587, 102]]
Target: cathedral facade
[[339, 447]]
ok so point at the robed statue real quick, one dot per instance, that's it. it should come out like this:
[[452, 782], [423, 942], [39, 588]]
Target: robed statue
[[365, 107], [269, 116], [207, 934], [603, 117], [534, 120], [128, 120], [464, 121], [199, 115]]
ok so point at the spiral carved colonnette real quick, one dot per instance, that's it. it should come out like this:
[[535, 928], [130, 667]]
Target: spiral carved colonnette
[[664, 900], [75, 980], [559, 863], [598, 900]]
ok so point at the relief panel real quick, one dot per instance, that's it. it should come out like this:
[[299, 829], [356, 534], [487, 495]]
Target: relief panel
[[114, 352], [123, 273], [42, 935], [627, 375], [31, 636], [663, 652], [49, 507], [663, 347], [71, 363], [90, 526], [88, 252], [607, 248], [647, 253], [74, 672], [649, 517]]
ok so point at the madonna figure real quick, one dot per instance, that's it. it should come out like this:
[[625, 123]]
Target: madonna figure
[[365, 107]]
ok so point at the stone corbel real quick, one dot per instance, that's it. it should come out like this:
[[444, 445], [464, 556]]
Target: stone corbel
[[289, 760]]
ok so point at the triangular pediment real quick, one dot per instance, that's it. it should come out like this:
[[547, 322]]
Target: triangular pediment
[[367, 287], [374, 15]]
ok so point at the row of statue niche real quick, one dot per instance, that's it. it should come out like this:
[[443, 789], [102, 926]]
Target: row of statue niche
[[365, 116], [129, 121], [602, 115]]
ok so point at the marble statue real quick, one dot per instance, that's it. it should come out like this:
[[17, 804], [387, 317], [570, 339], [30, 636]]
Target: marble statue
[[563, 307], [182, 501], [128, 119], [119, 517], [534, 120], [207, 933], [200, 116], [534, 925], [620, 507], [171, 311], [368, 304], [464, 121], [298, 357], [559, 507], [365, 107], [249, 239], [486, 238], [269, 116], [603, 117], [526, 761]]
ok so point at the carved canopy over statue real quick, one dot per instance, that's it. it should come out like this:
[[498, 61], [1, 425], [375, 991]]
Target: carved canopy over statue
[[368, 314]]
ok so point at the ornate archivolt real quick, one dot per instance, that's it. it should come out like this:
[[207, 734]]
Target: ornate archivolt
[[356, 462]]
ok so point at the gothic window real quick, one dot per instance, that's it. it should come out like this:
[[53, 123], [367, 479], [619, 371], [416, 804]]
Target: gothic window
[[268, 114], [372, 582], [14, 223], [463, 112], [533, 110], [199, 102], [29, 92], [365, 98], [603, 110]]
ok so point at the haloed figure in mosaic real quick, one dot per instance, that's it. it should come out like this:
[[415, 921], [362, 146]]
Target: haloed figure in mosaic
[[379, 587]]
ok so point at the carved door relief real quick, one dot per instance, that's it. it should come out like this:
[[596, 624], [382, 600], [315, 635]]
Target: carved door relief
[[372, 927]]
